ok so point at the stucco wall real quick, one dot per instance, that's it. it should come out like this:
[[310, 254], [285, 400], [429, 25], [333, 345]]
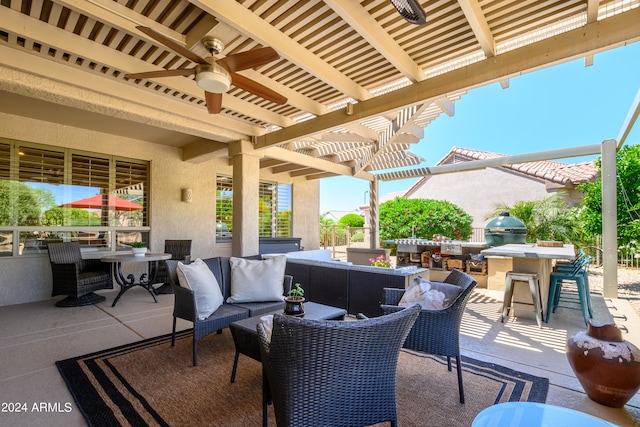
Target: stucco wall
[[28, 278], [306, 217], [478, 192]]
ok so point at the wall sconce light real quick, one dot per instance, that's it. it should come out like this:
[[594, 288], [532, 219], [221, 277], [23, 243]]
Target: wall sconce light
[[187, 195]]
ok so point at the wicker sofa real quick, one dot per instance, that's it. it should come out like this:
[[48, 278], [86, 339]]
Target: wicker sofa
[[356, 288], [185, 307]]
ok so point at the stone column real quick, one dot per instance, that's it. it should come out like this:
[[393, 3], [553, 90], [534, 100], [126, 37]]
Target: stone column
[[305, 212], [246, 179]]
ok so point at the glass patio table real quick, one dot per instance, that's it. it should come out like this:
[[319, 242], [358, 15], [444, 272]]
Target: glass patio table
[[531, 414]]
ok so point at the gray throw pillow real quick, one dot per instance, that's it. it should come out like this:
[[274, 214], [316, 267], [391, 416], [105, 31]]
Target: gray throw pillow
[[257, 280], [198, 277]]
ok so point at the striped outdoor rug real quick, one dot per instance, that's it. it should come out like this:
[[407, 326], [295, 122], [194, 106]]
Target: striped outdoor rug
[[151, 383]]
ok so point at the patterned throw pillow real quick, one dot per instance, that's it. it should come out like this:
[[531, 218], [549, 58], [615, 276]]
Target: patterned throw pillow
[[430, 295]]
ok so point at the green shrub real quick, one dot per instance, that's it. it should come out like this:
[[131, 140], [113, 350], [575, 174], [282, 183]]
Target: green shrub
[[401, 217], [352, 220], [357, 237]]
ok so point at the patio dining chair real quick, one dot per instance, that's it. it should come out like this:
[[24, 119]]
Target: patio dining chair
[[437, 332], [180, 250], [76, 277], [333, 373]]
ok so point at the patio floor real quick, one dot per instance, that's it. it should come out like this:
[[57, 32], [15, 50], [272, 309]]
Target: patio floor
[[35, 335]]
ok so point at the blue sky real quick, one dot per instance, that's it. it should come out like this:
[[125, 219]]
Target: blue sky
[[567, 105], [67, 193]]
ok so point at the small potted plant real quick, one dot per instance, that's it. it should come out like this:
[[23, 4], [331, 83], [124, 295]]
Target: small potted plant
[[293, 301], [139, 248]]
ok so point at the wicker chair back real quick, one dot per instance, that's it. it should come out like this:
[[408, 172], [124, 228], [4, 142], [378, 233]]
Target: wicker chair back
[[438, 331], [334, 373], [75, 277]]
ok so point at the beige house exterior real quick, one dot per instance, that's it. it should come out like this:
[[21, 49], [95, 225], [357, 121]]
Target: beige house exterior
[[478, 192], [27, 278]]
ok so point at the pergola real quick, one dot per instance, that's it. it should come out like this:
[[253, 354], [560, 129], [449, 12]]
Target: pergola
[[360, 82]]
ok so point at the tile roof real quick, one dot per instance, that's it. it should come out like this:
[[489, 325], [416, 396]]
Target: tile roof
[[570, 174]]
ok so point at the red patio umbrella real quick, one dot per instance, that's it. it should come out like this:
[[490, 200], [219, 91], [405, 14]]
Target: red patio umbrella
[[95, 202]]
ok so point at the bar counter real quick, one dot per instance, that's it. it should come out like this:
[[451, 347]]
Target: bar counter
[[524, 258]]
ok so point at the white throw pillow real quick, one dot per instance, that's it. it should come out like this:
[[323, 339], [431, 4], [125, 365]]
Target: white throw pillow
[[197, 277], [430, 295], [257, 280]]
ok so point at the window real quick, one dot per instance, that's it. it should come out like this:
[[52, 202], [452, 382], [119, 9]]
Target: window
[[224, 209], [274, 209], [62, 194], [267, 213], [284, 212]]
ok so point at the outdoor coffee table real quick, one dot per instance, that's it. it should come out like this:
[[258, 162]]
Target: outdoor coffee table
[[245, 334], [245, 337]]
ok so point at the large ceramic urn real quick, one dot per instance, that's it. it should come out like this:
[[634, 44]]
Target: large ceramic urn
[[607, 366]]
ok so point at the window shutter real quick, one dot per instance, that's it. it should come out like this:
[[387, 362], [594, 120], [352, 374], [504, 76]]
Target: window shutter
[[87, 171], [267, 209], [284, 214], [39, 165], [132, 184], [5, 161], [224, 207]]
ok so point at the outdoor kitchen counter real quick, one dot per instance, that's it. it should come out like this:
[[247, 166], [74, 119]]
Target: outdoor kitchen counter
[[411, 251], [524, 258], [531, 250]]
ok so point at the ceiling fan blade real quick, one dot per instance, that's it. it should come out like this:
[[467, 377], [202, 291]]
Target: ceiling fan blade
[[174, 46], [214, 102], [250, 59], [161, 73], [257, 89]]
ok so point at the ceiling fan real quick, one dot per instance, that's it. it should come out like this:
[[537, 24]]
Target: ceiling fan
[[216, 76], [411, 10]]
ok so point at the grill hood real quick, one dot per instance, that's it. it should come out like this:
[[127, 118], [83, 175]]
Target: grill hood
[[505, 229]]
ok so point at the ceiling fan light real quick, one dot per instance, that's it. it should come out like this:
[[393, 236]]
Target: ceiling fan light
[[213, 78], [411, 10]]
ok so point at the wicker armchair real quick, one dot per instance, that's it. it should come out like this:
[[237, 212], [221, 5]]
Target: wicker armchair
[[77, 277], [180, 250], [437, 332], [185, 308], [333, 373]]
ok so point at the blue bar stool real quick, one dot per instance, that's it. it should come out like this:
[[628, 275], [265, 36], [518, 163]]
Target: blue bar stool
[[565, 266], [570, 267], [534, 287], [579, 275]]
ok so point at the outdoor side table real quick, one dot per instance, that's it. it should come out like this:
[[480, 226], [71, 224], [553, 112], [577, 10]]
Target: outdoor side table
[[145, 280], [532, 414]]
